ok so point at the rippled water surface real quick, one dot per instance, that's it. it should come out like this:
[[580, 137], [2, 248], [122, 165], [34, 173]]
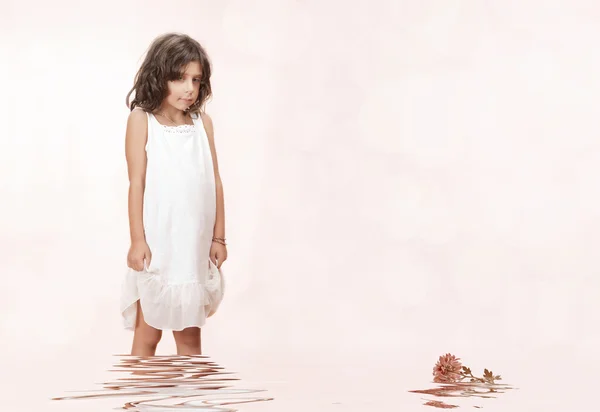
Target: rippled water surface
[[168, 383]]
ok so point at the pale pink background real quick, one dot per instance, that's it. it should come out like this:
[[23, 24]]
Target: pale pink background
[[402, 179]]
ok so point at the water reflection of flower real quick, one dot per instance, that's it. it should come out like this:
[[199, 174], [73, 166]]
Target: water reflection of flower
[[463, 390]]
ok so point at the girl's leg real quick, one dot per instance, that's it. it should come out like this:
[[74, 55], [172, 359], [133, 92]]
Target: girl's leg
[[188, 341], [145, 337]]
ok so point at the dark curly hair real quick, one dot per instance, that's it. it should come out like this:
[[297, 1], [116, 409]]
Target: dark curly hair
[[165, 60]]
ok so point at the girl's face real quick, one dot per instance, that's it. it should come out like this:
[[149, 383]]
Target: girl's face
[[184, 91]]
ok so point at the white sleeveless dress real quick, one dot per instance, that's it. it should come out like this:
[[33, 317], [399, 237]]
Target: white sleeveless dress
[[179, 218]]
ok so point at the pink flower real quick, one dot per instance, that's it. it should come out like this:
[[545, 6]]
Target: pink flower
[[447, 369]]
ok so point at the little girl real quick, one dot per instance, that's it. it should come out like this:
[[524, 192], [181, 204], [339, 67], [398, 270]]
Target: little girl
[[176, 207]]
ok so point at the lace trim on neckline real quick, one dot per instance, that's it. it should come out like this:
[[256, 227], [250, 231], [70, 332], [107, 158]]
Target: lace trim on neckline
[[182, 128]]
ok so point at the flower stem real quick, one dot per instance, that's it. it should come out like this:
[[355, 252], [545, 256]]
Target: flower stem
[[470, 375]]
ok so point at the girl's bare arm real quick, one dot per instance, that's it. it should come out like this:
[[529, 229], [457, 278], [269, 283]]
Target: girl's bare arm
[[136, 137], [219, 230]]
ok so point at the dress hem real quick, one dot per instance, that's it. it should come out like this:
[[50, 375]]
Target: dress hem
[[170, 306], [129, 315]]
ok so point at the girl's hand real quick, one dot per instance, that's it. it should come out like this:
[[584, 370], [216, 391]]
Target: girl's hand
[[138, 252], [218, 253]]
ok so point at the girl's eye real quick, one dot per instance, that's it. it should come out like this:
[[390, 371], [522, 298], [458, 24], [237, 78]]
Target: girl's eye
[[180, 78]]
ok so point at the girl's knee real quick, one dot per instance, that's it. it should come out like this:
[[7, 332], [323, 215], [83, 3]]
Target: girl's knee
[[188, 336], [144, 332], [149, 336]]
